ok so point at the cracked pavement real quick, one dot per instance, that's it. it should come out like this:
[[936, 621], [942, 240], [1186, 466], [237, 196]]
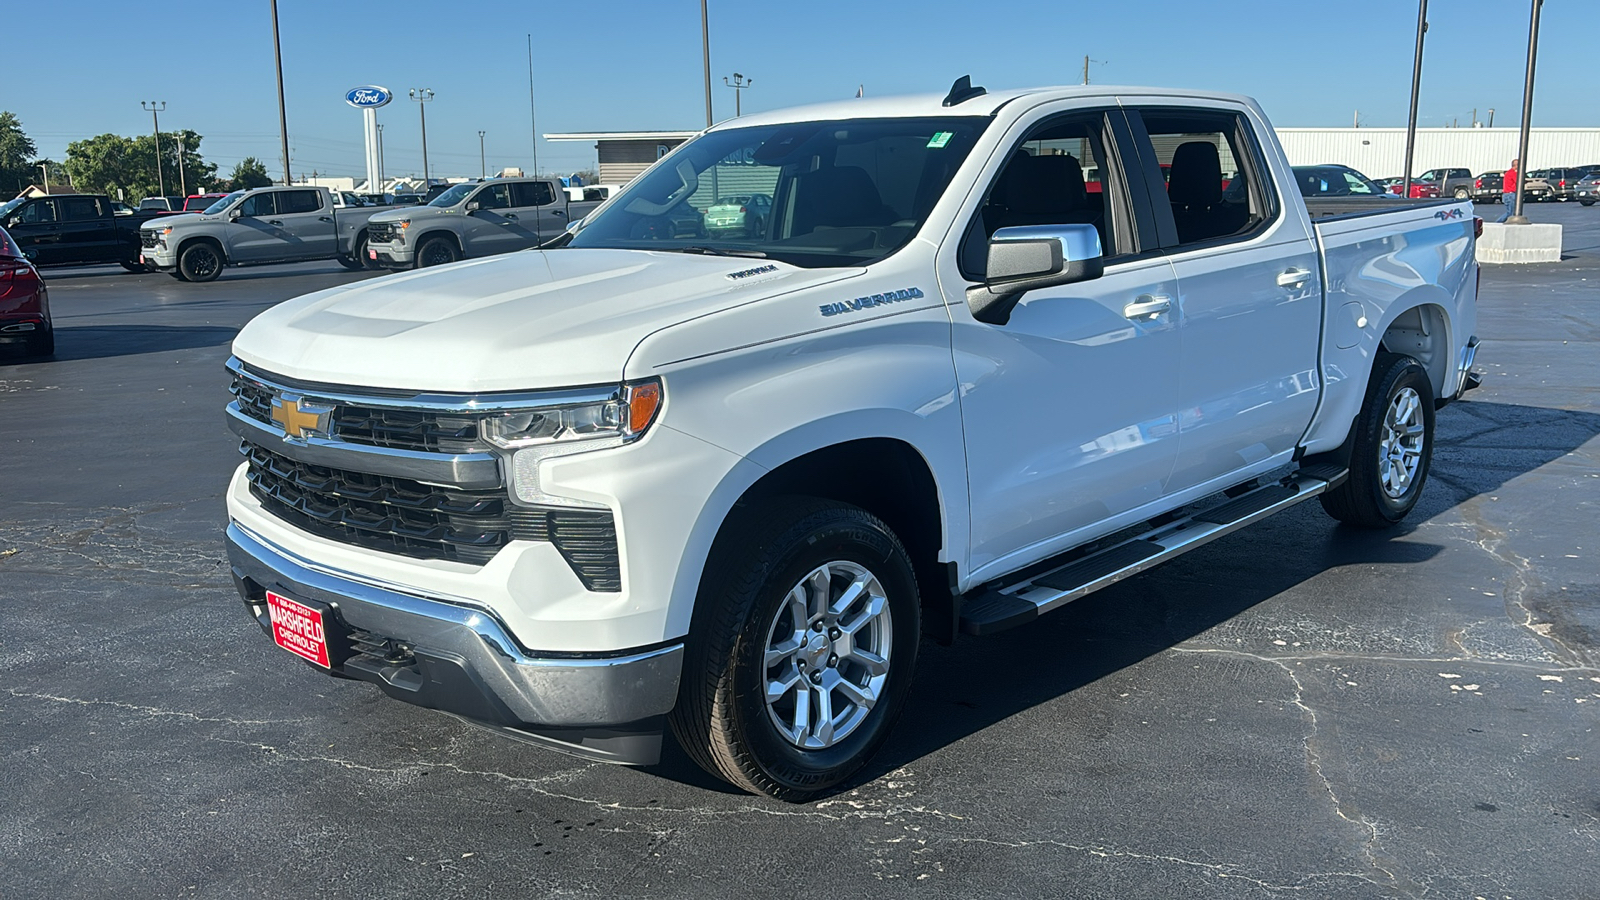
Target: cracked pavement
[[1299, 709]]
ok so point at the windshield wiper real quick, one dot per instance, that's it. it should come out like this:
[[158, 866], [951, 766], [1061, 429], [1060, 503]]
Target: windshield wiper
[[718, 251]]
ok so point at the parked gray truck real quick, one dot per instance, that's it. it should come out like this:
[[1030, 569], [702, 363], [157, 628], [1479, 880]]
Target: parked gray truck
[[257, 227], [475, 219]]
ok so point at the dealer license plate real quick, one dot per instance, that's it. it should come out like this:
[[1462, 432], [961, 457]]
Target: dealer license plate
[[298, 628], [372, 254]]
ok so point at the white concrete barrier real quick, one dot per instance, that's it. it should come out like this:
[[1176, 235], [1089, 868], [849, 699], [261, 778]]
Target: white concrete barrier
[[1519, 243]]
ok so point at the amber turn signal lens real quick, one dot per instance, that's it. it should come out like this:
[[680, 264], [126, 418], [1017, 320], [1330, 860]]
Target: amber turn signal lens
[[643, 401]]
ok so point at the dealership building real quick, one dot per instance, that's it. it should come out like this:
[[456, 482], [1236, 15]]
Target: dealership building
[[1377, 152]]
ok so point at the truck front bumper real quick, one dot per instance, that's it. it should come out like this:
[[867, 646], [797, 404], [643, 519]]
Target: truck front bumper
[[392, 255], [444, 656]]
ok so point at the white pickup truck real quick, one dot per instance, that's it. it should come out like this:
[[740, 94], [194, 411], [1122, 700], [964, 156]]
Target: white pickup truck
[[648, 478]]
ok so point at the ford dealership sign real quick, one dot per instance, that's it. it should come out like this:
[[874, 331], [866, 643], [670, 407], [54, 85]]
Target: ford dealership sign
[[368, 96]]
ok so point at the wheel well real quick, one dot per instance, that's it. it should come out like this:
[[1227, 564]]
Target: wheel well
[[202, 239], [1423, 333], [891, 480], [441, 233]]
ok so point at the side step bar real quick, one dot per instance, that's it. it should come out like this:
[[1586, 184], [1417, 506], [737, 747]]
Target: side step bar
[[998, 608]]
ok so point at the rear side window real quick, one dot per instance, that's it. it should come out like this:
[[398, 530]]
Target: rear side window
[[78, 209], [259, 205], [1215, 178], [531, 193], [299, 201]]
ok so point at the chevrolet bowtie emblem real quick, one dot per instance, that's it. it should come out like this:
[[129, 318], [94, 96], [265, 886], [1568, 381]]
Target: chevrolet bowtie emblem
[[297, 417]]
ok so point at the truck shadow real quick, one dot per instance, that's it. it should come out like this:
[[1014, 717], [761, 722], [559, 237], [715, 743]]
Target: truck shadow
[[964, 689], [106, 341]]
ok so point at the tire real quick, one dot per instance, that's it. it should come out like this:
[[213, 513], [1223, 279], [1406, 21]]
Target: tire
[[350, 263], [1586, 202], [1390, 460], [200, 262], [437, 251], [178, 275], [1462, 193], [135, 268], [748, 634]]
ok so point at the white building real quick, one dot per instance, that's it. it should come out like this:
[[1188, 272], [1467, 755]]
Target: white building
[[1381, 152]]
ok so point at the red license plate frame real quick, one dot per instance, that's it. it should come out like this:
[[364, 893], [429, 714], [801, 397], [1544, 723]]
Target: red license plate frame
[[299, 628]]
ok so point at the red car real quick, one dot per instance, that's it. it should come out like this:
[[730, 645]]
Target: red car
[[24, 303]]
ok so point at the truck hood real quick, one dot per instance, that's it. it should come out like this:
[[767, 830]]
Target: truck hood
[[175, 219], [414, 213], [524, 321]]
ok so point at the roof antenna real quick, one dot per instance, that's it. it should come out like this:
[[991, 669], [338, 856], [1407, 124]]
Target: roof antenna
[[962, 91]]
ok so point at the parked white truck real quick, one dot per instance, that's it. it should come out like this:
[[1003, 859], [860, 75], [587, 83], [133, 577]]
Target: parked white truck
[[652, 478]]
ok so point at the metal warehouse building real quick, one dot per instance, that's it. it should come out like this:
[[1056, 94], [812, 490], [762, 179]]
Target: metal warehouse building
[[1378, 152], [1381, 152]]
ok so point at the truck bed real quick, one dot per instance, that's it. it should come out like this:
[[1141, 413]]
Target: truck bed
[[1350, 207]]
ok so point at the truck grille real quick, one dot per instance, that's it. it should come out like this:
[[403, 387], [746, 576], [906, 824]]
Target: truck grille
[[147, 239], [379, 232], [396, 515], [376, 426]]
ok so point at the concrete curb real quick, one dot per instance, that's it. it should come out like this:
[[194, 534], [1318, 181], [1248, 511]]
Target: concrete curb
[[1513, 244]]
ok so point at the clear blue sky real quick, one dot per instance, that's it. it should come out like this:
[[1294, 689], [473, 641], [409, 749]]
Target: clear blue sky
[[635, 64]]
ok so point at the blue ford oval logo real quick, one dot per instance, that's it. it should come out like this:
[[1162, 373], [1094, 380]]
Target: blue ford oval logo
[[368, 96]]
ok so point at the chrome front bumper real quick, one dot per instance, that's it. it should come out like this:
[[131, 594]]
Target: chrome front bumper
[[463, 661]]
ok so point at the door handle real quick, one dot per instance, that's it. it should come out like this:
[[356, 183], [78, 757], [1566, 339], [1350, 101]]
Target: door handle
[[324, 219], [558, 212], [511, 215], [274, 222], [1147, 305], [1292, 278]]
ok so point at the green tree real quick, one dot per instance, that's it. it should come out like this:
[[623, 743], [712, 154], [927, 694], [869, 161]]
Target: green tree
[[249, 173], [16, 156], [198, 176], [112, 164]]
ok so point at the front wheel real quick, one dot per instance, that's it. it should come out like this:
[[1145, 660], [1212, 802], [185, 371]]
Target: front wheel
[[200, 262], [1586, 202], [437, 251], [1393, 447], [802, 651]]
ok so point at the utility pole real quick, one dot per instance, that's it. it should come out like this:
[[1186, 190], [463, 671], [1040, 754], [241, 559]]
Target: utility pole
[[483, 170], [155, 108], [45, 168], [423, 96], [183, 177], [739, 83], [1517, 218], [1474, 117], [1355, 121], [380, 158], [705, 49], [1086, 61], [1416, 85], [533, 124], [1491, 117], [283, 119]]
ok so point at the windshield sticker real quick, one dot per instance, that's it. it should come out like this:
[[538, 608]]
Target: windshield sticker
[[940, 138], [751, 273], [859, 303]]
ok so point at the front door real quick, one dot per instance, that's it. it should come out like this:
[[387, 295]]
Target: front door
[[38, 232], [1069, 408], [255, 234], [1249, 294], [495, 226]]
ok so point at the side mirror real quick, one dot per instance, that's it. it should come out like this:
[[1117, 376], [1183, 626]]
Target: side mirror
[[235, 213], [1030, 257], [473, 206]]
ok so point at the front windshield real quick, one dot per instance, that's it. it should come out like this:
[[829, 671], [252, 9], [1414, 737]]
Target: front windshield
[[10, 205], [835, 193], [223, 203], [453, 196]]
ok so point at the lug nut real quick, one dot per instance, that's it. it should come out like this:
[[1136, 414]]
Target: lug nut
[[816, 677], [833, 660], [834, 633], [816, 626], [801, 665]]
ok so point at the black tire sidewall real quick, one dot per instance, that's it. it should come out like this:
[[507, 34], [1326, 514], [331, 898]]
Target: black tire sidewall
[[189, 253], [428, 245], [865, 542], [1403, 372]]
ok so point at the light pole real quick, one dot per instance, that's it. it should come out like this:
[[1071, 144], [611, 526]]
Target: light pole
[[739, 83], [705, 48], [1517, 218], [423, 96], [155, 108], [183, 177], [1416, 87], [483, 169], [380, 158], [283, 119]]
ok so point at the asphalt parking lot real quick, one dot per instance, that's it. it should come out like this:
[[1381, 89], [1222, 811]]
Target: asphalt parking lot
[[1297, 709]]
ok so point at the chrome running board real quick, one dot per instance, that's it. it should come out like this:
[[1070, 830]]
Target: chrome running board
[[1001, 606]]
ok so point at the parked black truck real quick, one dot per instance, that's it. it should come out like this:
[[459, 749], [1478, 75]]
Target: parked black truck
[[74, 229]]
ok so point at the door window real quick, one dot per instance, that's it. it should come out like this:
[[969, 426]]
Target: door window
[[533, 193], [258, 206], [299, 201], [1058, 175], [79, 209], [495, 196], [38, 213], [1215, 180]]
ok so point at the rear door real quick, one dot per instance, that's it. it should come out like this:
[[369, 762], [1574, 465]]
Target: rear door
[[1249, 290], [305, 221], [543, 213], [1069, 408], [87, 232]]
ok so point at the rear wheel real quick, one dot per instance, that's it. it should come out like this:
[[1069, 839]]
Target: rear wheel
[[1462, 193], [135, 268], [1393, 447], [802, 651], [200, 262], [1586, 202], [437, 251]]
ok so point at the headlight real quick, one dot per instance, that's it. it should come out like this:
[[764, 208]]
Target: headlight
[[535, 435]]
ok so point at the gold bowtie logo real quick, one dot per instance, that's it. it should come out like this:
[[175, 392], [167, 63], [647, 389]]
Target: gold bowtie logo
[[297, 417]]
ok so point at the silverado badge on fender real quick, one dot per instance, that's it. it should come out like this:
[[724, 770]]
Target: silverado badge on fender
[[833, 309]]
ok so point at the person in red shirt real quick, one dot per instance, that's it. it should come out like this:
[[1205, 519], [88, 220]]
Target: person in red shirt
[[1508, 188]]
